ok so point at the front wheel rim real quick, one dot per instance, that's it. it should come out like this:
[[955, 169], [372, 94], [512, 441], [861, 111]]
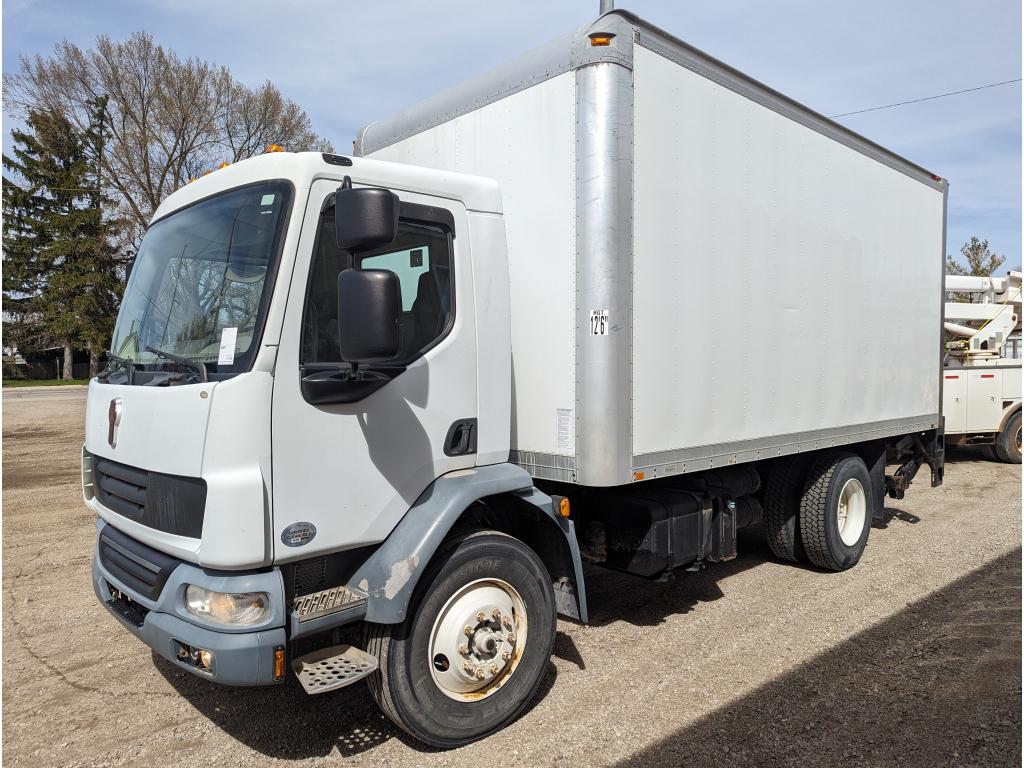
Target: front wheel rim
[[851, 511], [477, 640]]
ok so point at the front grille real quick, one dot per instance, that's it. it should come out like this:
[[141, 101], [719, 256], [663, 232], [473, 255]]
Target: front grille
[[121, 488], [168, 503], [141, 569]]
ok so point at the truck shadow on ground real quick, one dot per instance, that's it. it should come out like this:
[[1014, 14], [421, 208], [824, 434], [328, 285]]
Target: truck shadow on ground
[[939, 683], [284, 722], [614, 596], [957, 454]]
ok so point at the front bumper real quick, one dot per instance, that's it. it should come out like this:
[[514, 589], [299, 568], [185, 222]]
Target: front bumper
[[239, 657]]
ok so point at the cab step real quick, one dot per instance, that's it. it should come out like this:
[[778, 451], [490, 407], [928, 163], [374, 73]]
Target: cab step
[[326, 602], [332, 668]]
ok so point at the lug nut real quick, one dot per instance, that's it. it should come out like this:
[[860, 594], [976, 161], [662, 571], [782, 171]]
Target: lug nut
[[480, 673], [506, 620], [494, 669], [480, 617], [464, 649], [505, 655], [510, 637], [495, 614], [468, 630], [467, 668]]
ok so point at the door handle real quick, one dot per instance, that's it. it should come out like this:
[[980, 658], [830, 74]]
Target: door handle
[[461, 438]]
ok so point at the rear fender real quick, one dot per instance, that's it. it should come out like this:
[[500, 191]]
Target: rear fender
[[1008, 414]]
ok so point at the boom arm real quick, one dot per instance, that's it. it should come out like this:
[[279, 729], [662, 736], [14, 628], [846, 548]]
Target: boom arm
[[999, 308]]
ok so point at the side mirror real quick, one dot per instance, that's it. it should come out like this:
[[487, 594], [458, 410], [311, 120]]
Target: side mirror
[[369, 309], [364, 217]]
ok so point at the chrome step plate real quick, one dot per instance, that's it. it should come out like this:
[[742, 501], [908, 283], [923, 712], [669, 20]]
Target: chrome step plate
[[332, 668], [328, 601]]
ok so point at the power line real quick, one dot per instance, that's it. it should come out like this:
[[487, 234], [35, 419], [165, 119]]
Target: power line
[[926, 98]]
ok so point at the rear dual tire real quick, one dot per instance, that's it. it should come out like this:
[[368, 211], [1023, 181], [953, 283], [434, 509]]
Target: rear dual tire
[[419, 684], [836, 511], [781, 503], [818, 510]]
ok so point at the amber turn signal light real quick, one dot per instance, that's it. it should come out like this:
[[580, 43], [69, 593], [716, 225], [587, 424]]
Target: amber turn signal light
[[600, 38], [279, 663], [563, 507]]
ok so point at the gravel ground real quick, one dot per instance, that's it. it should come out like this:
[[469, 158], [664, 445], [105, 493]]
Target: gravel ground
[[912, 658]]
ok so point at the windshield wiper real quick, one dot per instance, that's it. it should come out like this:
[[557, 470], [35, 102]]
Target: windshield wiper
[[113, 359], [195, 365]]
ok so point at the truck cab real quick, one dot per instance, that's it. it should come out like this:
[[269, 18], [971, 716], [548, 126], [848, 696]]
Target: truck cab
[[238, 274], [242, 475]]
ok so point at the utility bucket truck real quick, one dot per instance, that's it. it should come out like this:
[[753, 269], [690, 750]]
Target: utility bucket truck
[[981, 377], [367, 417]]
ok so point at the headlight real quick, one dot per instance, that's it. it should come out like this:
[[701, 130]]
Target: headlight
[[232, 608]]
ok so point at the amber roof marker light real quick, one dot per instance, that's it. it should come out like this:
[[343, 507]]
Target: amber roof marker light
[[601, 38]]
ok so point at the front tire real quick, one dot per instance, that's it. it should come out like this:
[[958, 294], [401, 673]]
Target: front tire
[[836, 511], [1007, 445], [447, 686]]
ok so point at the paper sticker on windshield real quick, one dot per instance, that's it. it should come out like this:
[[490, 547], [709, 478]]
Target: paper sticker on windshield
[[227, 346]]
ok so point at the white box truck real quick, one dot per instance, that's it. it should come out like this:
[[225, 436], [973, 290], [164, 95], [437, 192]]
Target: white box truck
[[367, 417]]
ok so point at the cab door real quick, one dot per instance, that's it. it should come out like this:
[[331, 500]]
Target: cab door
[[354, 469]]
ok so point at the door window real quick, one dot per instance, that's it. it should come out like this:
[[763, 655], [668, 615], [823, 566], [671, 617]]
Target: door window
[[420, 256]]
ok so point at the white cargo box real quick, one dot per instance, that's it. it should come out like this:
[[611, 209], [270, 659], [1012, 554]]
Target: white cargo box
[[703, 271]]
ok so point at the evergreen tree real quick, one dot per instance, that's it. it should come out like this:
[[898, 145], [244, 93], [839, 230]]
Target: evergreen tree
[[61, 275]]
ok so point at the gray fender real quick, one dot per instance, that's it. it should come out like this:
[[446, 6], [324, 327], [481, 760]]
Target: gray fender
[[390, 575]]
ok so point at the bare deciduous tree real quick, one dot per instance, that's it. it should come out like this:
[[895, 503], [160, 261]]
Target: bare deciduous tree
[[168, 119]]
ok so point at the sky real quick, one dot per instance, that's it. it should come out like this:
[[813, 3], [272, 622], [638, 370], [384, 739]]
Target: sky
[[350, 63]]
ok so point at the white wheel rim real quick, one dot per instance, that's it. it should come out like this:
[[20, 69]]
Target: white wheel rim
[[851, 511], [477, 640]]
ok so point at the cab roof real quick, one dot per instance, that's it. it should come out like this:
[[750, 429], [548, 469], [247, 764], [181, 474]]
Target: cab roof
[[476, 193]]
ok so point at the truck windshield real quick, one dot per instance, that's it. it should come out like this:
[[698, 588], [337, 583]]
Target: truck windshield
[[201, 282]]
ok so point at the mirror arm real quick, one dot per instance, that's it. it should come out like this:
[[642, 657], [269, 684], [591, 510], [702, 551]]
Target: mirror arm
[[338, 386]]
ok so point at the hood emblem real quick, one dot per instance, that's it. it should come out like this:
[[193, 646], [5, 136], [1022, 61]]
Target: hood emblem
[[114, 420], [297, 534]]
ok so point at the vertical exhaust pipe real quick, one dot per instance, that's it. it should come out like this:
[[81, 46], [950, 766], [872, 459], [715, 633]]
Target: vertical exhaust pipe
[[607, 5]]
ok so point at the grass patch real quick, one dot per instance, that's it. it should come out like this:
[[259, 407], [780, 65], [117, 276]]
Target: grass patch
[[44, 382]]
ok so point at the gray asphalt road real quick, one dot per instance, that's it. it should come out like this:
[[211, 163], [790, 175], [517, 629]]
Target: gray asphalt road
[[910, 659]]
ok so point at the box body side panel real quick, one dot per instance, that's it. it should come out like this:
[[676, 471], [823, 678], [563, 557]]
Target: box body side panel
[[527, 142], [783, 283]]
